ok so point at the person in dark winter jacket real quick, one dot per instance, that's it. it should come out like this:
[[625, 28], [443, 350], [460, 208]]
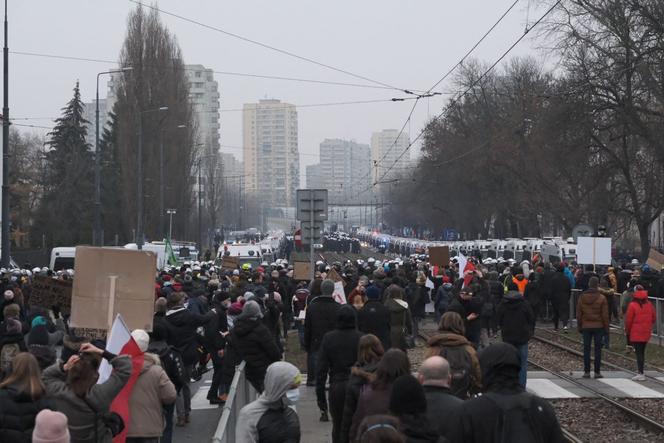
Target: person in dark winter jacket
[[417, 301], [251, 341], [369, 353], [11, 337], [374, 317], [320, 319], [270, 419], [401, 321], [337, 354], [375, 396], [443, 297], [469, 307], [22, 396], [561, 288], [435, 377], [408, 403], [481, 419], [183, 324], [517, 324]]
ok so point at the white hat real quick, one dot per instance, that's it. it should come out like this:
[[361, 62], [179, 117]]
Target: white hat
[[141, 338]]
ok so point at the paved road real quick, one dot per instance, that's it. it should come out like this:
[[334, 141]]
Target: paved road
[[204, 417]]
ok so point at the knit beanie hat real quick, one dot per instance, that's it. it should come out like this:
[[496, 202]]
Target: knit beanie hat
[[11, 310], [235, 308], [251, 310], [407, 397], [38, 335], [141, 338], [9, 295], [373, 293], [50, 427], [327, 287], [38, 321]]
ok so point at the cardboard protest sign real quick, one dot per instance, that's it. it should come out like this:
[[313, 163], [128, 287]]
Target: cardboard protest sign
[[439, 255], [301, 270], [339, 295], [335, 277], [593, 251], [47, 292], [229, 262], [655, 259], [110, 282]]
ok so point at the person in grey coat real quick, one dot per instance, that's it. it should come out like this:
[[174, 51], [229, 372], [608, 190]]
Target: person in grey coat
[[72, 385]]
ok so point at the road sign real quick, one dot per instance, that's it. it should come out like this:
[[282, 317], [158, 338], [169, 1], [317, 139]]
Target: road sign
[[450, 235], [297, 238], [310, 234], [309, 200]]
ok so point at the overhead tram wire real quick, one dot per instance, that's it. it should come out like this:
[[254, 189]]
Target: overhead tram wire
[[228, 73], [429, 91], [467, 90], [270, 47]]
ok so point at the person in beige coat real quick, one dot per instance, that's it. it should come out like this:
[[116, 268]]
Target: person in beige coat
[[152, 391]]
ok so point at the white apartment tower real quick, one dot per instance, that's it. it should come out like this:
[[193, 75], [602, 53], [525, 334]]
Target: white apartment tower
[[345, 168], [204, 96], [386, 149], [271, 156]]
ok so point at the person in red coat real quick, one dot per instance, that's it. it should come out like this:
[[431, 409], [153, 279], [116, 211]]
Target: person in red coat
[[639, 319]]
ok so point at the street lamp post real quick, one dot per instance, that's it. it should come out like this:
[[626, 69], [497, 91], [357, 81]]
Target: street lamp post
[[4, 254], [139, 178], [171, 213], [96, 235]]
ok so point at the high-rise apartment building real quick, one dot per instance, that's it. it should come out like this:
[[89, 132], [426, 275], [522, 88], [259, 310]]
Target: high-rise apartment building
[[90, 114], [345, 167], [314, 177], [204, 96], [271, 156], [387, 151]]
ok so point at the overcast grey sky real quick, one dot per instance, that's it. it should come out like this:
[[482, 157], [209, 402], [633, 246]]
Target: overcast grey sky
[[408, 44]]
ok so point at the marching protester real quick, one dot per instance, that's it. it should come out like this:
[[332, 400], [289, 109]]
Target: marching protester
[[435, 377], [374, 317], [401, 321], [639, 320], [592, 316]]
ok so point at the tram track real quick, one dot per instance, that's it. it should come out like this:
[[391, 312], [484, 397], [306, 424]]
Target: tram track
[[601, 418]]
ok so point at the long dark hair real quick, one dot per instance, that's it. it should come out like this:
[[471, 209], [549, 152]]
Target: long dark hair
[[84, 374], [393, 365], [369, 350]]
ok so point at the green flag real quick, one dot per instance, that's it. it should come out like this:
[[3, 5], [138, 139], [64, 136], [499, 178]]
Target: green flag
[[170, 254]]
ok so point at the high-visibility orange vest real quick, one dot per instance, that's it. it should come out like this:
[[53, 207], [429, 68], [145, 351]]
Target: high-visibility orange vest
[[520, 284]]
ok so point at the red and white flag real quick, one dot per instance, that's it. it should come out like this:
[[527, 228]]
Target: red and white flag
[[464, 266], [120, 342]]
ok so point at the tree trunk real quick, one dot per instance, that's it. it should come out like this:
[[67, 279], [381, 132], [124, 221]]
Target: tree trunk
[[644, 234]]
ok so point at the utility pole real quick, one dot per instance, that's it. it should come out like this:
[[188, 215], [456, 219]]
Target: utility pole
[[4, 261]]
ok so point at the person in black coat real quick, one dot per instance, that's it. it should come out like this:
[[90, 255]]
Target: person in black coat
[[320, 319], [214, 342], [251, 341], [374, 317], [517, 324], [22, 396], [408, 403], [561, 289], [435, 377], [480, 418], [182, 324], [337, 354], [469, 307]]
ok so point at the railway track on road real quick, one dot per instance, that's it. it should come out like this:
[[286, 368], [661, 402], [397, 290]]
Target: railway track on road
[[595, 419]]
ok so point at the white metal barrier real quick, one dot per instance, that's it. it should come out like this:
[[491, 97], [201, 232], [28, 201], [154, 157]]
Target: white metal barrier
[[241, 393]]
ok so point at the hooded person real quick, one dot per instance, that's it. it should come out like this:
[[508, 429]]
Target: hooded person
[[401, 321], [250, 340], [516, 320], [11, 337], [374, 317], [40, 343], [499, 413], [320, 319], [639, 320], [270, 418], [337, 354], [152, 391], [409, 404]]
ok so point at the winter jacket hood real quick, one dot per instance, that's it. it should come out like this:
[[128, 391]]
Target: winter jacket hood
[[279, 378], [447, 339], [640, 295], [500, 367], [244, 326], [398, 305], [590, 297], [346, 317], [513, 296]]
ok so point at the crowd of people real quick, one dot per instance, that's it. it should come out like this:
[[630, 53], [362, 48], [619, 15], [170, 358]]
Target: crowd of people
[[357, 360]]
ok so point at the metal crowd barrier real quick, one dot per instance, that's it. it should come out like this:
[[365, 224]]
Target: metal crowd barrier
[[658, 303], [240, 394]]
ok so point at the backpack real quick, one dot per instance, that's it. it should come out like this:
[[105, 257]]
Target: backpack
[[171, 361], [7, 354], [461, 368], [516, 422]]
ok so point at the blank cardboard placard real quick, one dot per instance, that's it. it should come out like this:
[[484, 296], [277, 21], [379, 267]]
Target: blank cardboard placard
[[132, 275], [655, 259], [593, 251], [301, 270], [439, 255]]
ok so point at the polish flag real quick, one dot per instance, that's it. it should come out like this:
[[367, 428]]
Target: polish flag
[[120, 342], [464, 266]]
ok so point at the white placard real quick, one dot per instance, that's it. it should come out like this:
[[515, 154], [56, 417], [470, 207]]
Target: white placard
[[339, 295], [593, 251]]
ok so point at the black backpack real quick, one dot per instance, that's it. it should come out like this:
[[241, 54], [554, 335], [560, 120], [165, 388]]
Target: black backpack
[[171, 361], [461, 368], [517, 421]]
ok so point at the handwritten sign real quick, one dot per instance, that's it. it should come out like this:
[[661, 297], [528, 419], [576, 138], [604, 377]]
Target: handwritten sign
[[301, 270], [47, 292], [228, 262]]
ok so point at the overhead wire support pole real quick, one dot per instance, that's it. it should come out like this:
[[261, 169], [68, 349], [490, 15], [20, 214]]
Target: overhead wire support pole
[[5, 254]]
